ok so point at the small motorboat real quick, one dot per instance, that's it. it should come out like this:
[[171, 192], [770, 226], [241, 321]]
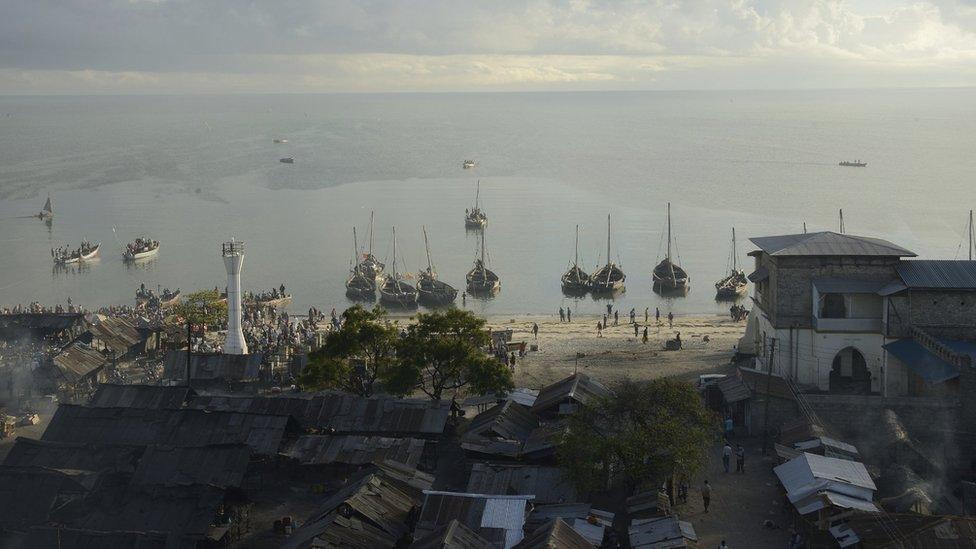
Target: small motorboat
[[854, 164], [468, 164], [140, 248], [287, 160], [85, 252], [280, 141]]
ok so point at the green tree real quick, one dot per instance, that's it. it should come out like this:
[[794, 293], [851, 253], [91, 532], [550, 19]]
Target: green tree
[[356, 355], [444, 351], [641, 434], [203, 308]]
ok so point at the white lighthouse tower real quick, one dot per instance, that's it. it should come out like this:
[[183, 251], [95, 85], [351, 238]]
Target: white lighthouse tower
[[233, 253]]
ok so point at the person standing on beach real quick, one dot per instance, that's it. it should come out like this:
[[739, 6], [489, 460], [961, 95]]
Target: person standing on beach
[[633, 316], [645, 314], [706, 495], [645, 335], [569, 314], [657, 315], [635, 329], [562, 315], [670, 319], [464, 299], [609, 308], [599, 329], [535, 330], [604, 321], [616, 317]]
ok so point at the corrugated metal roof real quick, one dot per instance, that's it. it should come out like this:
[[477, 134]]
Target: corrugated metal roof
[[848, 285], [828, 243], [75, 538], [453, 535], [78, 361], [523, 396], [40, 323], [28, 495], [356, 449], [212, 366], [940, 274], [547, 484], [579, 388], [498, 519], [343, 413], [111, 395], [220, 465], [809, 473], [82, 457], [118, 334], [145, 427], [828, 498], [920, 360], [554, 534], [661, 533], [733, 389], [507, 420], [915, 531]]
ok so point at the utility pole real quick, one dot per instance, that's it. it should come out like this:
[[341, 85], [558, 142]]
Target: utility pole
[[769, 380], [189, 350]]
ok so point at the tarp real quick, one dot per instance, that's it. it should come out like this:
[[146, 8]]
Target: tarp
[[920, 360]]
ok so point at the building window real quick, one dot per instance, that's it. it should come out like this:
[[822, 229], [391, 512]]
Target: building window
[[833, 306]]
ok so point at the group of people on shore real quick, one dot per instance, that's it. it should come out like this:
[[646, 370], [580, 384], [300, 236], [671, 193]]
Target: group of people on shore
[[270, 295], [738, 312], [35, 308]]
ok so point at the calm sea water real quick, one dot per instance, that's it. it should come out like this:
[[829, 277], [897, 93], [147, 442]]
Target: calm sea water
[[194, 171]]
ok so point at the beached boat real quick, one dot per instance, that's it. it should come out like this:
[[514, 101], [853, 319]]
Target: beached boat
[[610, 278], [85, 252], [168, 298], [735, 282], [394, 292], [140, 248], [433, 292], [575, 281], [370, 266], [47, 212], [854, 164], [668, 276], [359, 286], [164, 298], [480, 279], [275, 302], [474, 218], [287, 160], [467, 164]]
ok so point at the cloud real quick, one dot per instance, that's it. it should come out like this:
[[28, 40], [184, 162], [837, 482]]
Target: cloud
[[384, 45]]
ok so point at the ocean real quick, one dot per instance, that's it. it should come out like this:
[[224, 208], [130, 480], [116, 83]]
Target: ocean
[[194, 171]]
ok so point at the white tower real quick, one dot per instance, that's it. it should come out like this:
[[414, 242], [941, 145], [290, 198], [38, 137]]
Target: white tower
[[233, 253]]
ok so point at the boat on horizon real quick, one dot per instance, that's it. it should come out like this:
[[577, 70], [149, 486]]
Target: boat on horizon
[[854, 164], [433, 292], [475, 218], [575, 281], [47, 212], [668, 276], [394, 292], [610, 278], [481, 280], [734, 284], [468, 164], [287, 160], [279, 141]]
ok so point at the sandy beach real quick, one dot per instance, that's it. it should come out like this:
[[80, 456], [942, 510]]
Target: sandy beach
[[618, 353]]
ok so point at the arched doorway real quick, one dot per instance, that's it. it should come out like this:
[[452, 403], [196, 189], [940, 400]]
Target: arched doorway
[[849, 374]]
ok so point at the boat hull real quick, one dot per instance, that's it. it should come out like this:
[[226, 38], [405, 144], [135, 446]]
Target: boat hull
[[141, 255], [399, 300], [730, 292], [432, 294]]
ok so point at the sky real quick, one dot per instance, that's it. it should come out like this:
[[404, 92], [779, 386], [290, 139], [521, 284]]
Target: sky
[[314, 46]]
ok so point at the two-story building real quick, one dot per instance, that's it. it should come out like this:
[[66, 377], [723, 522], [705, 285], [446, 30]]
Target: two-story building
[[851, 315]]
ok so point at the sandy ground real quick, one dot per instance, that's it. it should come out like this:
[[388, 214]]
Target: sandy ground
[[618, 353]]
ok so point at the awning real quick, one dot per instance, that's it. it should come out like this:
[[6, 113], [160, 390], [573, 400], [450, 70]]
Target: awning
[[762, 273], [920, 360], [828, 498], [892, 288], [846, 286]]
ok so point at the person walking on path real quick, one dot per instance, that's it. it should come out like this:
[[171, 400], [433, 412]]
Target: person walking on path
[[562, 315], [727, 456], [646, 309], [605, 321], [535, 330], [740, 459], [569, 314], [599, 329], [706, 495], [645, 335], [636, 328], [633, 316], [657, 315], [609, 309], [670, 319], [616, 317]]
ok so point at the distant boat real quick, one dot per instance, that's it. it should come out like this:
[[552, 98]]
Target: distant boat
[[140, 248], [280, 140], [359, 286], [47, 212], [734, 283], [610, 278], [394, 291], [85, 252], [481, 280], [475, 218], [467, 164], [854, 164], [575, 280], [433, 292], [287, 160], [668, 276], [165, 298], [370, 266]]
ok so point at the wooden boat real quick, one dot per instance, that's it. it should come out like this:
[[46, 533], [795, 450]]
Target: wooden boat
[[610, 278], [575, 281], [287, 160], [47, 212], [276, 302], [668, 276], [370, 266], [481, 280], [168, 298], [467, 164], [854, 164], [735, 282], [394, 292], [359, 286], [140, 248], [86, 252], [475, 218], [280, 141], [433, 292]]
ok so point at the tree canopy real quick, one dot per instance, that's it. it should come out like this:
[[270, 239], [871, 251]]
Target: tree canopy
[[203, 308], [644, 432], [355, 356], [444, 351]]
